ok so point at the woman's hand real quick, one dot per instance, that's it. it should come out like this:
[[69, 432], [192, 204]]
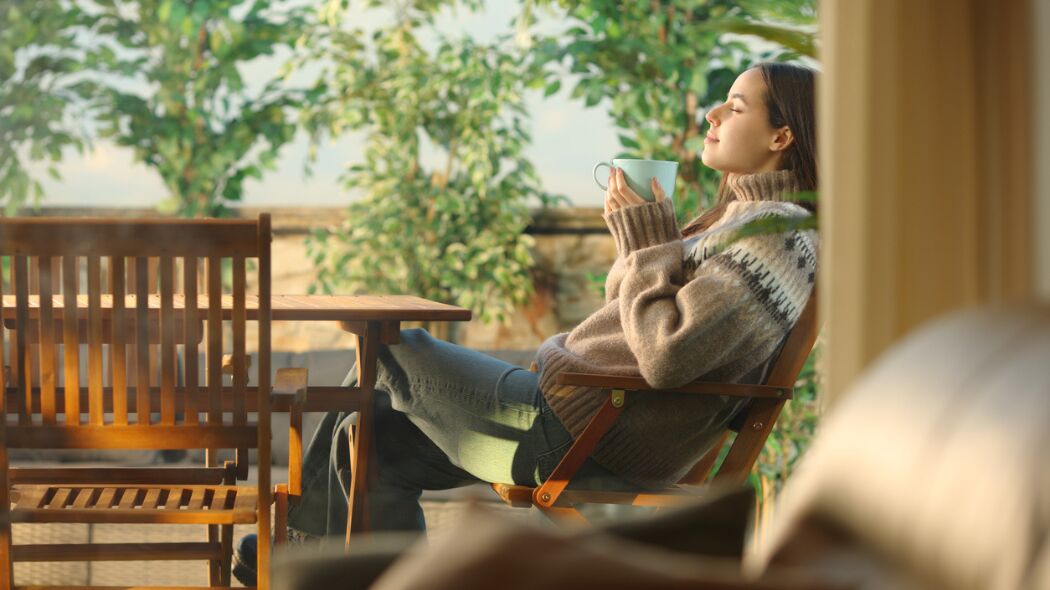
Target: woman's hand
[[619, 194]]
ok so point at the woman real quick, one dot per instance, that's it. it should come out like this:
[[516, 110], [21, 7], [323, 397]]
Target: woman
[[680, 306]]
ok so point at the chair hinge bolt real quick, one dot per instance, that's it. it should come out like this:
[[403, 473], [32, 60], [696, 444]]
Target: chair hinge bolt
[[618, 396], [545, 497], [758, 426]]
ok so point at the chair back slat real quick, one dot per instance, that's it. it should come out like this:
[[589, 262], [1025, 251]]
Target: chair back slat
[[142, 373], [167, 341], [153, 350], [4, 376], [191, 328], [240, 372], [118, 352], [21, 282], [94, 349], [71, 339], [47, 341], [7, 280], [263, 381], [214, 350], [33, 362], [240, 315]]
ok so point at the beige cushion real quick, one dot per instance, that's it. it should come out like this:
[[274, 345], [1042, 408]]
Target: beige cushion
[[490, 550], [936, 458]]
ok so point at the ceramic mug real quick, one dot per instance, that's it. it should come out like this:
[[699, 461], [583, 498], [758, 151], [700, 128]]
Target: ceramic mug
[[640, 173]]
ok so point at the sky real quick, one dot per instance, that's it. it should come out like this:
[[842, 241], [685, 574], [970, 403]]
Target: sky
[[568, 140]]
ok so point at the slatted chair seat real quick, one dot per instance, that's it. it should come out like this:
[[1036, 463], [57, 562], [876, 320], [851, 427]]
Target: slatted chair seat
[[140, 504]]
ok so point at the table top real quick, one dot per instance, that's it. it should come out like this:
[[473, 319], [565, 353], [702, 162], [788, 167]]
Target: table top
[[283, 307]]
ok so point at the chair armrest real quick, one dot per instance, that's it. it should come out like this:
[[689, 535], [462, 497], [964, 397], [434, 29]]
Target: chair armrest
[[696, 387]]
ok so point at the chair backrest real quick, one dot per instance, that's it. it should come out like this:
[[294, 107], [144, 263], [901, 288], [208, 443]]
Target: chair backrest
[[94, 322], [761, 414]]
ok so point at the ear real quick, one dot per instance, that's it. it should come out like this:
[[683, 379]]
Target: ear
[[781, 140]]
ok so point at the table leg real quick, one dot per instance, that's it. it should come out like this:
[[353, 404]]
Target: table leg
[[363, 464]]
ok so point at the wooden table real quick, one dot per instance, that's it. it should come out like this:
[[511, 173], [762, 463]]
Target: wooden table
[[373, 319]]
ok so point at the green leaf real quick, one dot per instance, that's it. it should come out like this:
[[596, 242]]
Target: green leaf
[[799, 41], [593, 95], [164, 12], [628, 142]]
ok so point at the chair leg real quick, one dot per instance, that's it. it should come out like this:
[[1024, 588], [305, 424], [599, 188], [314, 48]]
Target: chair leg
[[263, 555], [7, 574], [362, 466], [280, 515], [214, 565], [226, 565], [7, 570]]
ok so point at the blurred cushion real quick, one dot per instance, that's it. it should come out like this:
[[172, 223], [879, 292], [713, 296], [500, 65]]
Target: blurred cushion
[[488, 549], [715, 525], [935, 459]]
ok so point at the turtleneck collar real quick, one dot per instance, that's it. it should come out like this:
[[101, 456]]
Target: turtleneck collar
[[764, 186]]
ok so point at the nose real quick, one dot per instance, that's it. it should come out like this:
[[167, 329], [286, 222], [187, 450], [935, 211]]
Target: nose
[[713, 117]]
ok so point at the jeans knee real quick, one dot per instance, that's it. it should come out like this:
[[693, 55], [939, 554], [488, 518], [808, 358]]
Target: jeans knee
[[415, 334]]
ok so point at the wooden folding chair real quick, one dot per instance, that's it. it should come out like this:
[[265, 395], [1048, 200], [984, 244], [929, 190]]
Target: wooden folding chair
[[558, 502], [57, 404]]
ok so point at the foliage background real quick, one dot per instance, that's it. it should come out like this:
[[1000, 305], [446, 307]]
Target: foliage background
[[39, 61], [450, 231]]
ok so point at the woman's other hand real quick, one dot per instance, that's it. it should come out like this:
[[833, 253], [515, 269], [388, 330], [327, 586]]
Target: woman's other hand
[[619, 194]]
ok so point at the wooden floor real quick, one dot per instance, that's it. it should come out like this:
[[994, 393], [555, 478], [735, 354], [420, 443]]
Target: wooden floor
[[154, 573]]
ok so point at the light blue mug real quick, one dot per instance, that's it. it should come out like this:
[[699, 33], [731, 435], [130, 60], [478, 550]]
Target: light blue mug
[[640, 173]]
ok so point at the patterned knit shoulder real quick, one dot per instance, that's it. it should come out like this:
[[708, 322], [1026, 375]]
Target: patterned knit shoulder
[[778, 268]]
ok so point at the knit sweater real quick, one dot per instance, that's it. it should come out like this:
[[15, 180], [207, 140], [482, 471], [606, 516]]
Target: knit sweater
[[676, 311]]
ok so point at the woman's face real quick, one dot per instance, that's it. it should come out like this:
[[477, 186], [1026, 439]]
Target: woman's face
[[740, 139]]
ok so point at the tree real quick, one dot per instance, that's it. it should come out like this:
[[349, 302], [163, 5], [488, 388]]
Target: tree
[[195, 122], [38, 86], [445, 184], [657, 66]]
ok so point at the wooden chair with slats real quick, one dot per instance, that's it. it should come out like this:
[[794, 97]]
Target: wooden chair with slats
[[94, 318], [559, 502]]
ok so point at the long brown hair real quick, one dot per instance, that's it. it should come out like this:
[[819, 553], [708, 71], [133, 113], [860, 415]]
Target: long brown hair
[[790, 101]]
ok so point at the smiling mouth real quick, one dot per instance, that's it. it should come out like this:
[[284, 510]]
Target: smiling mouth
[[710, 139]]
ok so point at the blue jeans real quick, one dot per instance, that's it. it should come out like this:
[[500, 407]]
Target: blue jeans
[[445, 417]]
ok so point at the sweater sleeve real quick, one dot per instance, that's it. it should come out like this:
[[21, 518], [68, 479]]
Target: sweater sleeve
[[680, 330], [634, 227]]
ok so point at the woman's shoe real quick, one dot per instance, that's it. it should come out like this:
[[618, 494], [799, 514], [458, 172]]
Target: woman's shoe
[[244, 560]]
